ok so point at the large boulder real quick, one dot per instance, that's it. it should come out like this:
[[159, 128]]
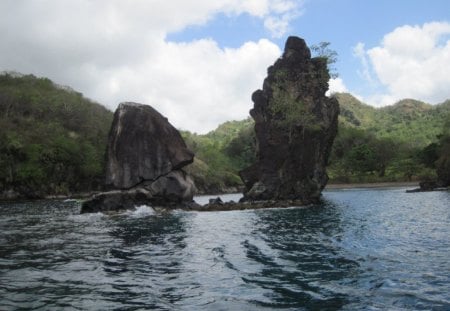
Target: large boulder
[[142, 145], [145, 158], [295, 125]]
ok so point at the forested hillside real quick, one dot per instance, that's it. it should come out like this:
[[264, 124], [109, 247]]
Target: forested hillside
[[52, 139], [386, 144], [373, 145], [408, 120]]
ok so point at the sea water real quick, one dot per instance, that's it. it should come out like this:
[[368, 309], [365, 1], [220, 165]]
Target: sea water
[[360, 249]]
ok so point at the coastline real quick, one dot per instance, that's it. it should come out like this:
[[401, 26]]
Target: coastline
[[398, 184], [84, 195]]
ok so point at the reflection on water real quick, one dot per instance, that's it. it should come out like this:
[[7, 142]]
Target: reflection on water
[[298, 257], [360, 249]]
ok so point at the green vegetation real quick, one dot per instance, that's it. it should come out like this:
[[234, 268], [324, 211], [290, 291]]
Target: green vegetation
[[393, 143], [323, 50], [221, 154], [437, 155], [403, 142], [52, 139], [290, 112], [442, 151]]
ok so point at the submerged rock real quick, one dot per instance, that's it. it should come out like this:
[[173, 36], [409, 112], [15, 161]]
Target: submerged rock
[[295, 125], [145, 158]]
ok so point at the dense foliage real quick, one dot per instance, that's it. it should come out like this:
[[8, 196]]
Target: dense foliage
[[437, 155], [52, 139], [442, 149], [392, 143], [221, 154]]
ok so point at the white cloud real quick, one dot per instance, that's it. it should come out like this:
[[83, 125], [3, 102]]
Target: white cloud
[[412, 62], [114, 50], [283, 12], [196, 85], [360, 52], [336, 86]]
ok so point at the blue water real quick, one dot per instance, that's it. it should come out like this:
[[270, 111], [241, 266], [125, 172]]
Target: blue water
[[359, 250]]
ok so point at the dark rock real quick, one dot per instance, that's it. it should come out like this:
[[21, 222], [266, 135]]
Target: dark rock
[[175, 187], [246, 205], [146, 155], [146, 194], [429, 185], [217, 200], [9, 195], [116, 200], [443, 170], [295, 125], [142, 145]]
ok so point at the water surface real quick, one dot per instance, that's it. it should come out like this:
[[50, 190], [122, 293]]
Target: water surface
[[360, 249]]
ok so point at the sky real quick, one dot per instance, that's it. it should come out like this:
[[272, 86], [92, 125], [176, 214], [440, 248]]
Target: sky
[[199, 61]]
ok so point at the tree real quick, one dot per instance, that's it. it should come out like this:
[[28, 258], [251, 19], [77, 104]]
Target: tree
[[385, 150], [443, 162], [322, 49], [361, 159]]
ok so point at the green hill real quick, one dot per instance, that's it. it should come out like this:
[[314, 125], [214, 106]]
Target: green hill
[[354, 112], [373, 144], [409, 121], [52, 139]]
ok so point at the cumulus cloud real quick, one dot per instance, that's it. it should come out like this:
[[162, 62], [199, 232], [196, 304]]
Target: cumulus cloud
[[283, 13], [412, 62], [197, 85], [336, 85], [113, 51]]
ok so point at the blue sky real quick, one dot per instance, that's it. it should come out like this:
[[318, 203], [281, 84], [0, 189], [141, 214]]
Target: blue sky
[[198, 62], [343, 23]]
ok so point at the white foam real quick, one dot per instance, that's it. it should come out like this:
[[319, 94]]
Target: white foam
[[141, 211], [87, 217]]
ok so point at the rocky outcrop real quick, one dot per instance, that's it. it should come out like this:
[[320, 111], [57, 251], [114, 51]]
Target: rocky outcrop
[[142, 145], [295, 125], [145, 158]]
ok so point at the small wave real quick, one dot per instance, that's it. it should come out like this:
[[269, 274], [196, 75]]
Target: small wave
[[70, 201], [87, 217], [141, 211]]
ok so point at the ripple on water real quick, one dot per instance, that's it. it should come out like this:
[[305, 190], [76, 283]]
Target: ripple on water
[[360, 249]]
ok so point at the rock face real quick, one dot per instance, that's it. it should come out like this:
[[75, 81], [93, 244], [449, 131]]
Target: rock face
[[145, 158], [295, 125], [142, 145]]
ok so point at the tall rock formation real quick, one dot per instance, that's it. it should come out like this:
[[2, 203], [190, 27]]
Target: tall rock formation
[[295, 125], [145, 158]]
